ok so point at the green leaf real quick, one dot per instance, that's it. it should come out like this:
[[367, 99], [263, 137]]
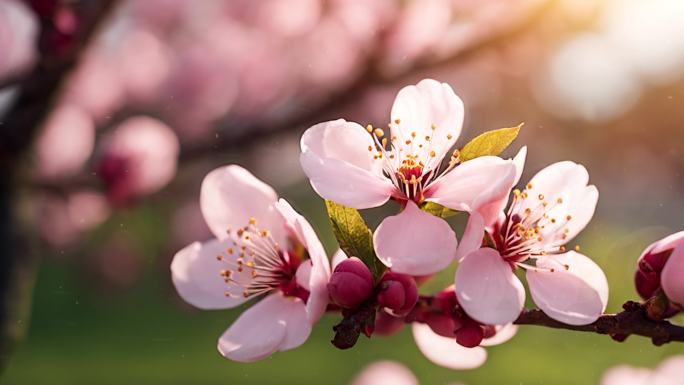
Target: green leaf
[[438, 210], [490, 143], [354, 236]]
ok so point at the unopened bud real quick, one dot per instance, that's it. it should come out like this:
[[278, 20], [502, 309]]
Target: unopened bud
[[350, 284], [470, 334], [398, 292]]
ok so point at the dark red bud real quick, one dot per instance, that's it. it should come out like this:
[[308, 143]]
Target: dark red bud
[[398, 292], [489, 331], [647, 283], [442, 324], [350, 284], [470, 335], [654, 262], [445, 301]]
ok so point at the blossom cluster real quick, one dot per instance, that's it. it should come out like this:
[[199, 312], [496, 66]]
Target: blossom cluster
[[264, 250]]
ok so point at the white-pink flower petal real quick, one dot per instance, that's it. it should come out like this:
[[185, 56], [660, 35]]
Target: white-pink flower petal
[[230, 196], [672, 275], [445, 351], [473, 185], [570, 288], [472, 236], [196, 274], [416, 109], [487, 288], [276, 323], [415, 242], [341, 168]]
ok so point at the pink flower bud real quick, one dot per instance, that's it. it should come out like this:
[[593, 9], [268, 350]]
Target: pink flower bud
[[398, 292], [470, 334], [351, 283], [659, 269], [443, 324]]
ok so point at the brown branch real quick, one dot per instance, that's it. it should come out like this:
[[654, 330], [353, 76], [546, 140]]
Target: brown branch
[[631, 321]]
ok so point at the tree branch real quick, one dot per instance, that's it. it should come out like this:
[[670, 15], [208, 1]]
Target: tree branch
[[631, 321]]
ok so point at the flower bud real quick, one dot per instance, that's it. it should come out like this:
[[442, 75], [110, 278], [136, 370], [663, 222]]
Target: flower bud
[[470, 334], [350, 284], [398, 292], [657, 279]]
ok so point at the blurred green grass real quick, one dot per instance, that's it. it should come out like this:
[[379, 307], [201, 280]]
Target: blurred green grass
[[146, 336]]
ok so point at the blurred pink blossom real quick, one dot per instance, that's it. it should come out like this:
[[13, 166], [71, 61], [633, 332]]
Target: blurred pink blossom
[[668, 372], [385, 373], [137, 158], [65, 143], [18, 37]]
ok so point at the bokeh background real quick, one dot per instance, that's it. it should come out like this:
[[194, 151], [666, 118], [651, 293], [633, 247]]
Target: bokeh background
[[111, 113]]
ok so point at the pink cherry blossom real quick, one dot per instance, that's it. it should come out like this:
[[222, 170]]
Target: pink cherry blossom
[[668, 372], [260, 250], [444, 351], [347, 165], [18, 37], [139, 157], [568, 286], [385, 373]]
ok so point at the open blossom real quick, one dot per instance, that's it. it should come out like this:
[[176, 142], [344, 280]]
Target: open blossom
[[668, 372], [263, 248], [360, 168], [568, 286], [660, 268], [385, 373]]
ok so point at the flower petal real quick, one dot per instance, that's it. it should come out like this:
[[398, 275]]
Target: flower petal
[[474, 185], [503, 334], [472, 236], [345, 184], [385, 373], [231, 195], [416, 109], [415, 242], [487, 288], [276, 323], [627, 375], [196, 275], [564, 186], [445, 351], [340, 167], [320, 269], [570, 288], [519, 163], [669, 242], [671, 277]]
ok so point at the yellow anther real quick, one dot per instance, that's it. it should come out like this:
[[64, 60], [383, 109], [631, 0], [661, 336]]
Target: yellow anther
[[560, 200], [379, 132], [449, 136], [369, 128], [577, 248], [541, 197], [433, 154], [408, 142], [252, 221], [230, 250], [569, 217], [397, 121], [529, 186], [433, 126]]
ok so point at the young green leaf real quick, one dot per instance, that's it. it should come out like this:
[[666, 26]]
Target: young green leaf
[[438, 210], [490, 143], [354, 236]]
